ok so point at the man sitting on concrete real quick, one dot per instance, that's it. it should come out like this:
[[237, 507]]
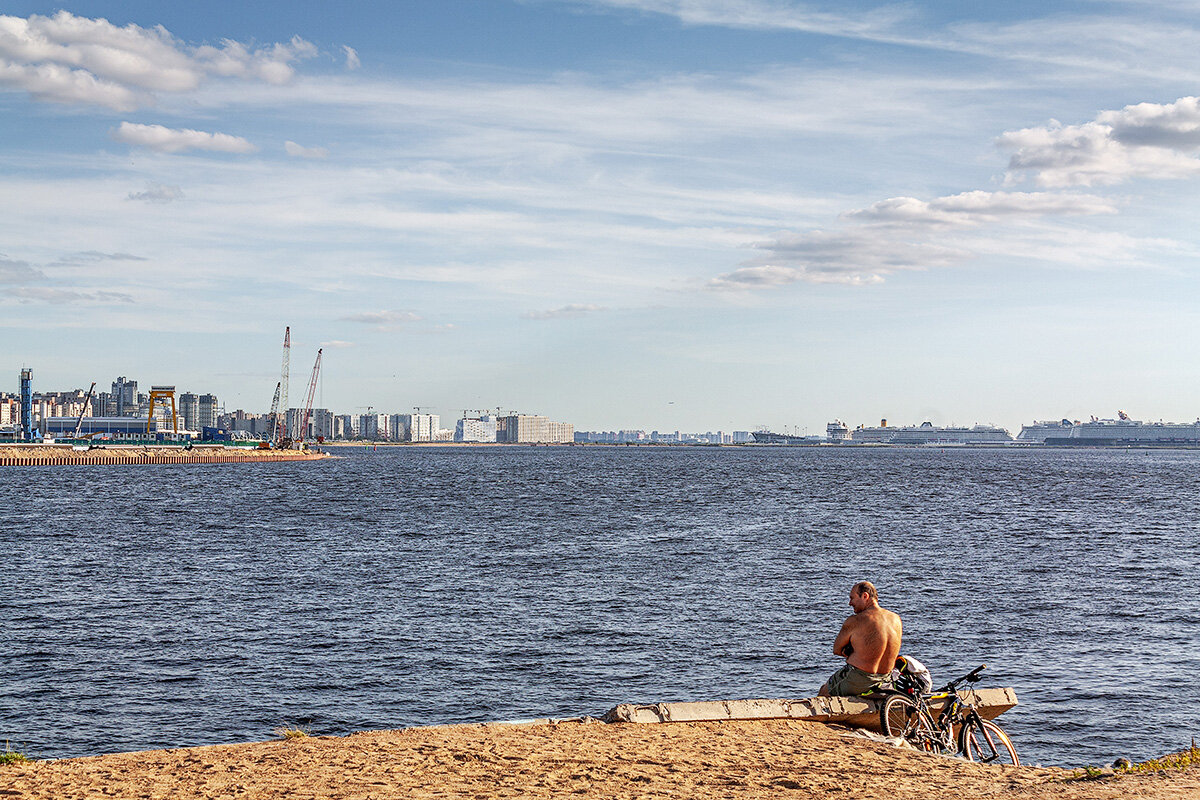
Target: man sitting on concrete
[[869, 641]]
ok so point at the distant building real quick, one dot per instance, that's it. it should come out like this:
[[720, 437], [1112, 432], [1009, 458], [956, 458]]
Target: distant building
[[125, 395], [188, 402], [115, 426], [322, 424], [533, 429], [417, 427], [207, 409], [477, 429], [373, 427]]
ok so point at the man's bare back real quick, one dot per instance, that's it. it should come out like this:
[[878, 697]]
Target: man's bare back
[[869, 640]]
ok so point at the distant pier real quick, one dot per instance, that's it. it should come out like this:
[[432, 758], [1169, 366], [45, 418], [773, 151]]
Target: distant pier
[[45, 455]]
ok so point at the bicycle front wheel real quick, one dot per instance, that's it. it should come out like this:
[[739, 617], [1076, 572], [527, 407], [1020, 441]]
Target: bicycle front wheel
[[982, 740], [901, 717]]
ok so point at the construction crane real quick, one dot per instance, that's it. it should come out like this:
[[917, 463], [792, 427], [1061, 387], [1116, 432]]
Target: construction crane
[[308, 401], [279, 431], [274, 415], [79, 422]]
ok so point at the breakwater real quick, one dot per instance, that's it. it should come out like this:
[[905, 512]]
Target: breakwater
[[65, 454]]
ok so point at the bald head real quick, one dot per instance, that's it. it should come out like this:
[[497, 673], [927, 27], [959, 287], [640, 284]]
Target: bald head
[[867, 588]]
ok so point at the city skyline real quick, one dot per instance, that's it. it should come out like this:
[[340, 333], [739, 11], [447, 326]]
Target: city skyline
[[197, 410], [684, 215]]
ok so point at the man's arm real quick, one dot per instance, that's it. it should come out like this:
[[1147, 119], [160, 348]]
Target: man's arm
[[841, 645]]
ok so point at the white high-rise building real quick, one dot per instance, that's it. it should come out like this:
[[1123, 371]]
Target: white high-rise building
[[531, 428], [480, 429], [417, 427]]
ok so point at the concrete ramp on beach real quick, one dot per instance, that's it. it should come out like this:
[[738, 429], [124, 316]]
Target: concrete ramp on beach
[[859, 712]]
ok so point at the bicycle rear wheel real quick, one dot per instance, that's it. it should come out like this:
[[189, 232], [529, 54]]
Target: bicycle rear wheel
[[900, 716], [982, 740]]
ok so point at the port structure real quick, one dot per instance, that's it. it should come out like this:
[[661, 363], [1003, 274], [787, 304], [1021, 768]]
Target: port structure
[[162, 393]]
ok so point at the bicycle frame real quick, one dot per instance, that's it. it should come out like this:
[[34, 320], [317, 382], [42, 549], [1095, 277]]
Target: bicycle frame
[[944, 731]]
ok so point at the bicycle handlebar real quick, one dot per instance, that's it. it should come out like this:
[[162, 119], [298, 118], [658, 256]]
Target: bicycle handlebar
[[970, 677]]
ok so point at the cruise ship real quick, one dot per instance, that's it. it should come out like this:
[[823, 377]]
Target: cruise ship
[[1124, 431], [767, 437], [924, 434], [1041, 430]]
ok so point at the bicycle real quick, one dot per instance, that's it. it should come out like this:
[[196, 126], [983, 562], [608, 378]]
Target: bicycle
[[957, 730]]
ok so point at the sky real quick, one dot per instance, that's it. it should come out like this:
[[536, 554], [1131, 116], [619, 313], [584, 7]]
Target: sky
[[656, 214]]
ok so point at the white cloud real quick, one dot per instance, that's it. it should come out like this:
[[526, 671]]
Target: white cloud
[[385, 320], [48, 294], [158, 193], [978, 207], [70, 59], [856, 256], [337, 344], [903, 233], [299, 151], [18, 272], [171, 140], [1146, 140], [570, 311], [352, 60], [93, 257]]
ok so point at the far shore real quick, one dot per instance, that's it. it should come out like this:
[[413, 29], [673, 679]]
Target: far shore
[[702, 761]]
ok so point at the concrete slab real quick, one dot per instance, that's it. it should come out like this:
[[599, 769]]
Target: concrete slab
[[857, 712]]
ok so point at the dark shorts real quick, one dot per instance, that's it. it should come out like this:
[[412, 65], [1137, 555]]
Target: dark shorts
[[850, 681]]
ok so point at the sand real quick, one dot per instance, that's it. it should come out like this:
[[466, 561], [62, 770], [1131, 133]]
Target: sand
[[740, 759]]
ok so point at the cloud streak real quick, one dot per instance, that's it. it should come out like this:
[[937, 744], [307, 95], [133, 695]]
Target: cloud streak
[[13, 272], [898, 234], [158, 193], [570, 311], [384, 320], [171, 140], [299, 151]]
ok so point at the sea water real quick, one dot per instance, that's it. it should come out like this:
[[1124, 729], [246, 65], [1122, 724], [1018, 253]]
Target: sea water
[[165, 606]]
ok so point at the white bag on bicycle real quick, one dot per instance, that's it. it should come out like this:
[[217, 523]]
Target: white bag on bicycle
[[915, 671]]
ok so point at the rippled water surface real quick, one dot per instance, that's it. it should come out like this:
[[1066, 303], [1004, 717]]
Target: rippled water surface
[[163, 606]]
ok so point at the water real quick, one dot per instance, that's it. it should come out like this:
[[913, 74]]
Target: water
[[178, 605]]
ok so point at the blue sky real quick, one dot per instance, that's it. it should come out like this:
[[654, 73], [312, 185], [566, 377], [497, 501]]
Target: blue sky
[[671, 214]]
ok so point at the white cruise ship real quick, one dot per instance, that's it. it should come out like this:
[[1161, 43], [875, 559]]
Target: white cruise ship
[[1125, 431], [1041, 430], [928, 434]]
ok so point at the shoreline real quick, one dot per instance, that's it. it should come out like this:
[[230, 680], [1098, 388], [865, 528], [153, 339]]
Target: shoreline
[[756, 759], [757, 446], [43, 455]]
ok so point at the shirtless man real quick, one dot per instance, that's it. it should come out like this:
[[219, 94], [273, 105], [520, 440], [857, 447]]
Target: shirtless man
[[869, 641]]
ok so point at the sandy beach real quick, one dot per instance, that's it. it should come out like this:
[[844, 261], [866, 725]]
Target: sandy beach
[[739, 759]]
